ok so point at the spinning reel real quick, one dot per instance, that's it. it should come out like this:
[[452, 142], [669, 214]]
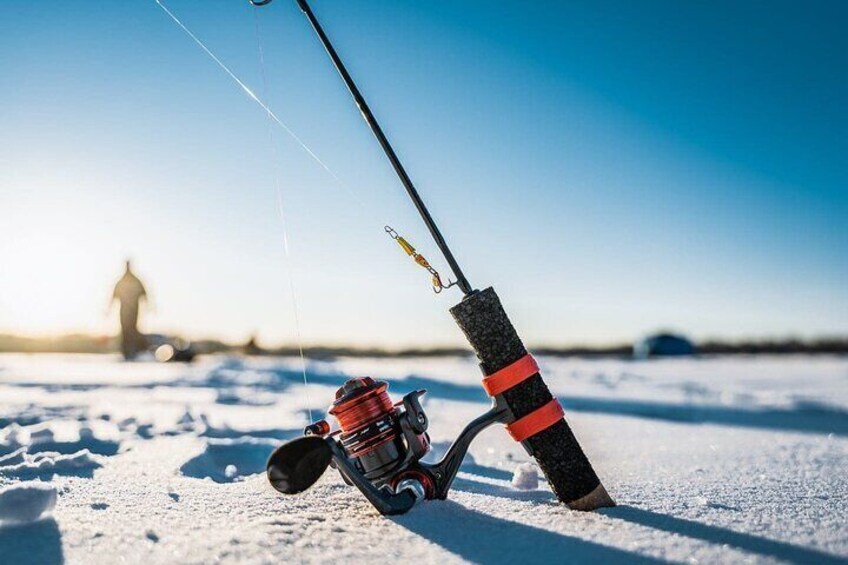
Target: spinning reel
[[377, 448]]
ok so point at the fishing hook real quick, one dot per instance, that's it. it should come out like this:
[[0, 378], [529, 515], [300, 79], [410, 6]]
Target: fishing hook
[[438, 285]]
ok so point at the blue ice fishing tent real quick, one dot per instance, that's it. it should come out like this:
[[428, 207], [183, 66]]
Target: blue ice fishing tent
[[663, 345]]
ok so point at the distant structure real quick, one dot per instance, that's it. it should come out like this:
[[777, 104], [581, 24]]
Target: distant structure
[[663, 345], [253, 348]]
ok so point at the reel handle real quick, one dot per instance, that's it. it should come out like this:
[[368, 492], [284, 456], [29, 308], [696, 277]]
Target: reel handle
[[297, 464]]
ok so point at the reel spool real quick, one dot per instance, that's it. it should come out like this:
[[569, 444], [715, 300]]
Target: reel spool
[[381, 439]]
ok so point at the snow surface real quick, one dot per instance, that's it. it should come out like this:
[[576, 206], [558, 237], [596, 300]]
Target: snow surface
[[526, 477], [26, 502], [727, 459]]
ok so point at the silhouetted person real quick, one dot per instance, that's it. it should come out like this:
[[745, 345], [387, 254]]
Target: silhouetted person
[[130, 292]]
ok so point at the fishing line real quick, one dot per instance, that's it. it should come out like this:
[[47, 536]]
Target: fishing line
[[281, 208], [248, 91], [272, 117]]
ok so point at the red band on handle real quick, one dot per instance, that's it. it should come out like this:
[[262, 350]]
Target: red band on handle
[[511, 375], [540, 419]]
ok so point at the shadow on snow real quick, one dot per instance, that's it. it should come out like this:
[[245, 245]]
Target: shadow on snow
[[718, 535], [723, 536], [229, 459], [481, 538], [809, 417], [39, 543]]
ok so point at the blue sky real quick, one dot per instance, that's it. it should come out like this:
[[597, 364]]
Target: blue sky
[[611, 168]]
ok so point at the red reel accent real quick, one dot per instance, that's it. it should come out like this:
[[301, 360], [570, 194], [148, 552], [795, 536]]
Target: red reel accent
[[420, 476], [360, 403]]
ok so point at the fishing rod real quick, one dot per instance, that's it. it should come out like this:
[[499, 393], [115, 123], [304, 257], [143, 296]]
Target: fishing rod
[[378, 444], [372, 122]]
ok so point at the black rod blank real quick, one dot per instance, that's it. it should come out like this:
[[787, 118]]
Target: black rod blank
[[461, 281]]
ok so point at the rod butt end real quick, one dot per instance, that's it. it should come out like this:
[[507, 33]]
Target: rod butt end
[[598, 498]]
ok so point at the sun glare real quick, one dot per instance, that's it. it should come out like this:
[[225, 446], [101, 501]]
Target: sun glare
[[54, 282]]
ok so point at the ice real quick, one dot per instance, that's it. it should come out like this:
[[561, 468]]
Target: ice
[[726, 459], [26, 502]]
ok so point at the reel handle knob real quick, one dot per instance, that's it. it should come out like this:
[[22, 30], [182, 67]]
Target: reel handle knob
[[319, 428], [298, 464]]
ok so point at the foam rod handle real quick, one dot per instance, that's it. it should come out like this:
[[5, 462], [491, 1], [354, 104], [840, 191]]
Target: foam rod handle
[[483, 320]]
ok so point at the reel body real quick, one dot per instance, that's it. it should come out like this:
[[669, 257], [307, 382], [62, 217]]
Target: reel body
[[377, 448], [382, 440]]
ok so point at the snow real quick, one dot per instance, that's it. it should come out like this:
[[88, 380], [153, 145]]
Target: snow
[[726, 459], [525, 477], [50, 463], [26, 502]]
